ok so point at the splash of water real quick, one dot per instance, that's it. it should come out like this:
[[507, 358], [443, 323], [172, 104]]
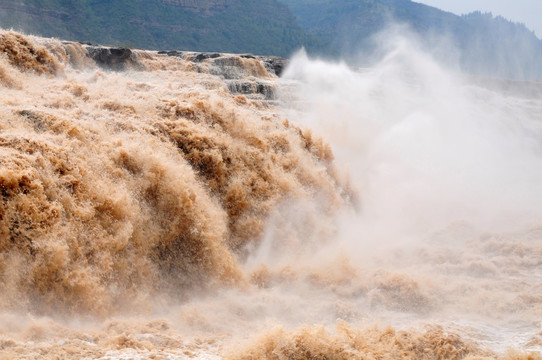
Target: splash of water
[[132, 197], [115, 186]]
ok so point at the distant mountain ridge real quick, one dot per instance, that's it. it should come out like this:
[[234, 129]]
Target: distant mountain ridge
[[483, 44], [486, 45]]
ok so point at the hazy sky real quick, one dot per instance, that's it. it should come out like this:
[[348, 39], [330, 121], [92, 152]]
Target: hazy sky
[[528, 12]]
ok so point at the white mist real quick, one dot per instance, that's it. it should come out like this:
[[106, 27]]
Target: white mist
[[424, 145]]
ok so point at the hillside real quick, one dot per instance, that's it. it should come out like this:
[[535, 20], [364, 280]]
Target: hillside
[[261, 27], [480, 43]]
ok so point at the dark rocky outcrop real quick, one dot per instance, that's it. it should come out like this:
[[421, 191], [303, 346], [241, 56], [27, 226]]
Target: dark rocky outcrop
[[274, 64], [204, 56], [112, 58], [265, 89]]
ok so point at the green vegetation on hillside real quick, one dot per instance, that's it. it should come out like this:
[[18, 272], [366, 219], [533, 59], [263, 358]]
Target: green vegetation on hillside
[[257, 26]]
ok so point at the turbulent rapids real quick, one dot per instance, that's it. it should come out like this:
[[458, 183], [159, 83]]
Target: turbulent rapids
[[178, 205], [117, 187]]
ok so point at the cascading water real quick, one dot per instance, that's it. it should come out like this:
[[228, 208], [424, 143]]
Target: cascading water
[[150, 213]]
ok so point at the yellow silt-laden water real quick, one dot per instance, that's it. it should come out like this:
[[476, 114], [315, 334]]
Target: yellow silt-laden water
[[149, 212]]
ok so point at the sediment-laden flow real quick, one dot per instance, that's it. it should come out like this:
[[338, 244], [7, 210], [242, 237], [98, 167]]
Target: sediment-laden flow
[[148, 209], [121, 186]]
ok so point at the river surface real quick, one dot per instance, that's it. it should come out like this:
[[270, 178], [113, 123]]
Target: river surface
[[391, 212]]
